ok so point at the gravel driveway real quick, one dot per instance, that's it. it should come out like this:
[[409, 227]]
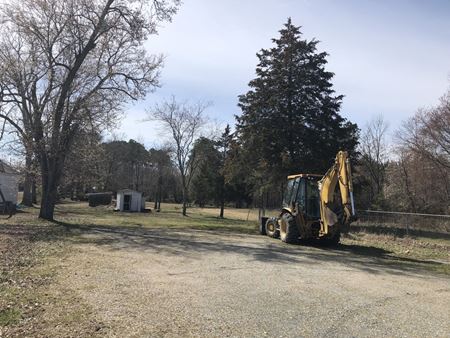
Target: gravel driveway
[[153, 282]]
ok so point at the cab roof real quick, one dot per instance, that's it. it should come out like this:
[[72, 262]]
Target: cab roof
[[304, 175]]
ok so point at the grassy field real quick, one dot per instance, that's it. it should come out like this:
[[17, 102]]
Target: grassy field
[[78, 214]]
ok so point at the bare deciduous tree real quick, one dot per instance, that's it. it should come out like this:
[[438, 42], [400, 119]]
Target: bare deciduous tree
[[424, 149], [67, 66], [374, 155], [184, 122], [162, 166], [428, 133]]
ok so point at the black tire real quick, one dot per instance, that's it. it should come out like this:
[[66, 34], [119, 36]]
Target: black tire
[[288, 229], [271, 228], [332, 241], [262, 225]]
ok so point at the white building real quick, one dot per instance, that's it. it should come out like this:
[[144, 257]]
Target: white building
[[130, 200], [8, 183]]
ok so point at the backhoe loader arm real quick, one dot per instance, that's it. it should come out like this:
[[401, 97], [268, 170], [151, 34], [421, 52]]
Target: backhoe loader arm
[[331, 212]]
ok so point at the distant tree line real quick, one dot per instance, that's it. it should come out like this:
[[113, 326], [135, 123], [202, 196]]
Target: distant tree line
[[98, 166]]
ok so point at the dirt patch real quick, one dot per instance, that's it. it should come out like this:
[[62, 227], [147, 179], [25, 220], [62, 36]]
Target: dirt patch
[[196, 283]]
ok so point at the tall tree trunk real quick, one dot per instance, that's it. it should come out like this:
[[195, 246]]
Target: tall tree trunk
[[184, 207], [48, 201], [184, 183], [27, 198], [160, 196], [222, 197], [48, 197], [33, 190], [222, 207], [184, 202], [51, 169]]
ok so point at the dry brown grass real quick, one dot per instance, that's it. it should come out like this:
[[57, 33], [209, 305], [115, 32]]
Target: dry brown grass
[[32, 304], [235, 214]]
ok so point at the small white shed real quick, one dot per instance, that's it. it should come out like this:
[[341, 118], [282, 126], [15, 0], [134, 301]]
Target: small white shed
[[130, 200], [9, 182]]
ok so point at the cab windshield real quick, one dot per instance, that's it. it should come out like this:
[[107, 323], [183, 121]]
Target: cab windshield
[[303, 192]]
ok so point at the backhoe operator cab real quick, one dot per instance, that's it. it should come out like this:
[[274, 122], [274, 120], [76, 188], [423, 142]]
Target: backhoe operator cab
[[312, 206], [303, 190]]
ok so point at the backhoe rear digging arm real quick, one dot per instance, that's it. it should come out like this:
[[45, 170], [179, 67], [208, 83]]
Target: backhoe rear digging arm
[[339, 172]]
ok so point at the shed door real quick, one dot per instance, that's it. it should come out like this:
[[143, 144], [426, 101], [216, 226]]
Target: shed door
[[126, 202]]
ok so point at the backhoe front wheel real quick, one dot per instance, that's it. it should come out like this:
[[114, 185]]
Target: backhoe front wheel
[[271, 228], [288, 229]]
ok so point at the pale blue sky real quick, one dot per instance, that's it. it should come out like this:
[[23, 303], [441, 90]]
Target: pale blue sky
[[389, 57]]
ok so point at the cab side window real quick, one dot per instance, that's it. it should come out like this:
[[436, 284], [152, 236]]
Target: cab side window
[[301, 195], [313, 203]]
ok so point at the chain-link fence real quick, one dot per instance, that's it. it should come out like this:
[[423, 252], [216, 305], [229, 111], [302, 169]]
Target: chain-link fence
[[401, 222]]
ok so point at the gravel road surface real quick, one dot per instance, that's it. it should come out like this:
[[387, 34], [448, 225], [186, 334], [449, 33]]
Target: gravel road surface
[[191, 283]]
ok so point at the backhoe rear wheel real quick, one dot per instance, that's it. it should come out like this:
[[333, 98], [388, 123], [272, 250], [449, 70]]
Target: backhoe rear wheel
[[288, 229], [333, 241], [271, 228]]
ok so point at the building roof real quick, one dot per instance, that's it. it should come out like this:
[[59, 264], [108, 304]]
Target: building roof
[[129, 190], [99, 193], [7, 169]]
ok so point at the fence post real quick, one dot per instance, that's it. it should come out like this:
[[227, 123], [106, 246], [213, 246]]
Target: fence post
[[408, 219]]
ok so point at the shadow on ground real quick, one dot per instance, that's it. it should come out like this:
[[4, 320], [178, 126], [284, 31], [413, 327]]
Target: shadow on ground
[[197, 244]]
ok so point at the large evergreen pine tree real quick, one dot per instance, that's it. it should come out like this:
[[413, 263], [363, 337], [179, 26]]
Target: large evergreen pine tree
[[290, 118]]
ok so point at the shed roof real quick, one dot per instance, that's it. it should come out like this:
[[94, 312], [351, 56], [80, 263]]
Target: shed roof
[[128, 190], [7, 169]]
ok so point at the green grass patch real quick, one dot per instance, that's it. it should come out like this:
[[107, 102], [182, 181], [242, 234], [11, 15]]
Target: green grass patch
[[9, 316]]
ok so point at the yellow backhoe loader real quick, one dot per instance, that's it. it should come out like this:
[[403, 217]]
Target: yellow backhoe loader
[[312, 208]]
